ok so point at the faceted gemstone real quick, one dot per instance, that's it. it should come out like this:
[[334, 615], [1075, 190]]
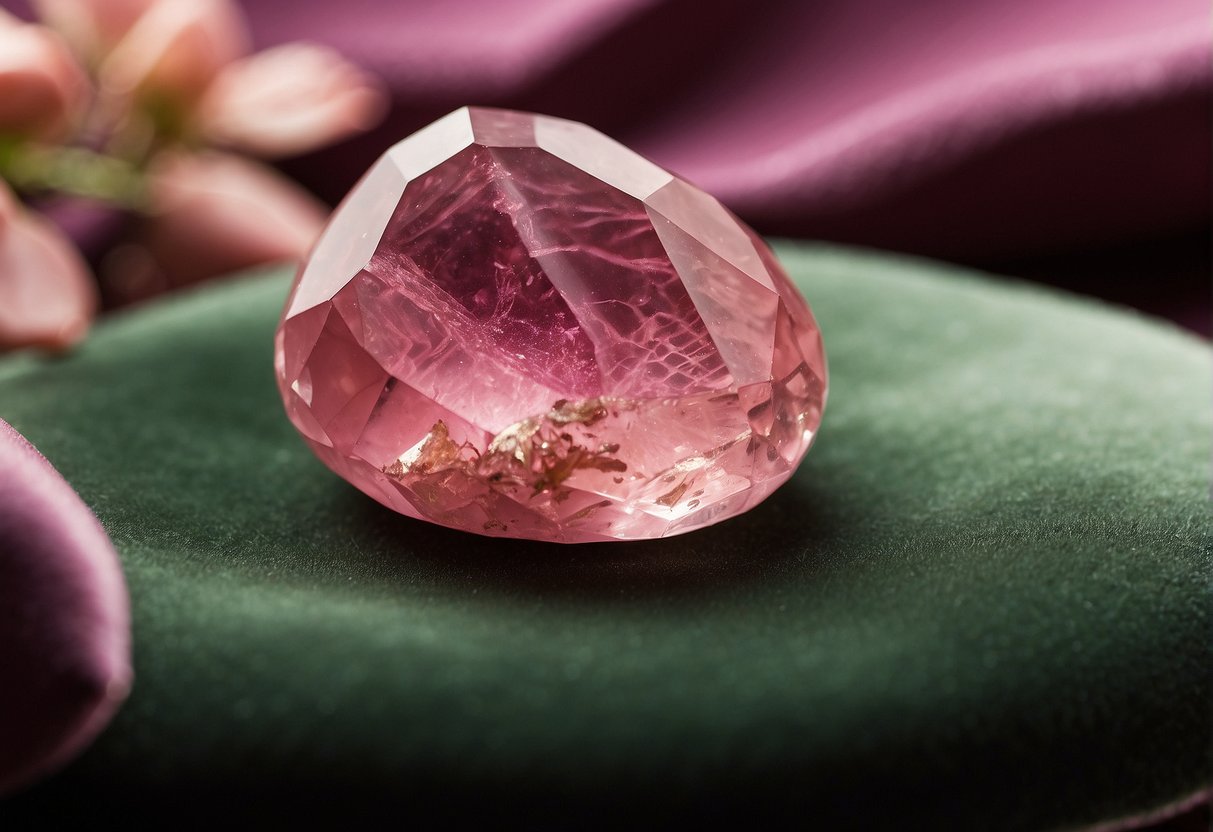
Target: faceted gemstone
[[516, 326]]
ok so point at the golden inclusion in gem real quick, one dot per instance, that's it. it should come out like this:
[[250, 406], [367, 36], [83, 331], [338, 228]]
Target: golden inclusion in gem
[[515, 326]]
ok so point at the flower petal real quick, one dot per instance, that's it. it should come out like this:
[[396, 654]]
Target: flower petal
[[47, 294], [288, 100], [64, 618], [8, 206], [92, 27], [175, 50], [42, 88], [214, 213]]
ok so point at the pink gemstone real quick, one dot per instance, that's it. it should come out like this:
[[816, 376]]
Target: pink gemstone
[[515, 326]]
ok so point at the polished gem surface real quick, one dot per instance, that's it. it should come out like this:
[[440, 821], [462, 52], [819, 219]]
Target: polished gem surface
[[516, 326]]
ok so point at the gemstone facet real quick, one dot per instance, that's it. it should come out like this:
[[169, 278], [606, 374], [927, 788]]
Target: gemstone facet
[[515, 326]]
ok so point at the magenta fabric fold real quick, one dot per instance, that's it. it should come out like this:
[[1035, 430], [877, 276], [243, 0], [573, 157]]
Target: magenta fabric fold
[[64, 620], [969, 129]]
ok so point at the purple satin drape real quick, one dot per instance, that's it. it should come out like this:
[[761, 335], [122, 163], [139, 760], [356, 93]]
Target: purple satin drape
[[953, 127], [1067, 139]]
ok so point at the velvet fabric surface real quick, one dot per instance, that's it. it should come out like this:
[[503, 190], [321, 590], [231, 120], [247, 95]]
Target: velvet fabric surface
[[64, 620], [981, 602]]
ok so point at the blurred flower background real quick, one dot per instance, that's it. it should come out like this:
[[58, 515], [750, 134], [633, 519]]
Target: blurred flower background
[[133, 129], [151, 144]]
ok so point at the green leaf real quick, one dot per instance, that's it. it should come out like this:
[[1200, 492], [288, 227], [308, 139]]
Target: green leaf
[[982, 601]]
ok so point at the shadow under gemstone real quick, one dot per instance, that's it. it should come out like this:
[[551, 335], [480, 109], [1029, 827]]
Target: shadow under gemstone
[[737, 550]]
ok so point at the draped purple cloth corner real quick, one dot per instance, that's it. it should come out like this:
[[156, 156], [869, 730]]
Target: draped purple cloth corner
[[66, 666], [971, 129]]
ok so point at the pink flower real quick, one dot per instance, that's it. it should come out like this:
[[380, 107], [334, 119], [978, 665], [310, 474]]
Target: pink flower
[[288, 100], [182, 60], [92, 27], [172, 76], [174, 50], [47, 295], [214, 213], [42, 88]]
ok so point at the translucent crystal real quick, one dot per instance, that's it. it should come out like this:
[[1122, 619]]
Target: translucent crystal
[[515, 326]]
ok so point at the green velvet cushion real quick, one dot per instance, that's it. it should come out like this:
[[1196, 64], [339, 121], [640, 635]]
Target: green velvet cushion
[[982, 601]]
